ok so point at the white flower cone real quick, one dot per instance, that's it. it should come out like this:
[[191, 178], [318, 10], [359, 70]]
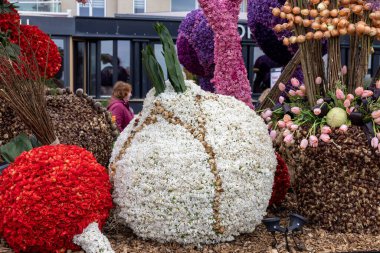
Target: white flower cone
[[92, 240], [194, 168]]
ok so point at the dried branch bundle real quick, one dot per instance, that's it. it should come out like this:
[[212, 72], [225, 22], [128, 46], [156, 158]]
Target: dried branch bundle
[[23, 88], [315, 20]]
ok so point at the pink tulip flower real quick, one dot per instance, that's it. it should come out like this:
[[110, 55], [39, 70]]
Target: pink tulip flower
[[350, 110], [304, 144], [367, 94], [339, 94], [376, 114], [289, 139], [317, 111], [295, 82], [296, 110], [268, 119], [294, 127], [378, 136], [273, 134], [281, 99], [347, 103], [343, 128], [300, 93], [377, 121], [281, 87], [267, 113], [292, 93], [320, 101], [350, 97], [289, 124], [325, 138], [281, 124], [359, 91], [287, 118], [303, 88], [375, 142], [318, 80], [286, 132], [313, 141], [344, 70], [326, 130]]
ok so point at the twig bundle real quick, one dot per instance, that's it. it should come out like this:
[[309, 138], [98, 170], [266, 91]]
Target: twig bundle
[[23, 88]]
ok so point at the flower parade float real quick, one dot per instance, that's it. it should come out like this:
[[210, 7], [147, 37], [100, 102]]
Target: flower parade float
[[327, 128], [195, 167]]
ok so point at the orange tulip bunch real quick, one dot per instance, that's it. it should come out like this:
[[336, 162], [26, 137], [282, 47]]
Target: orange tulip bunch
[[323, 21]]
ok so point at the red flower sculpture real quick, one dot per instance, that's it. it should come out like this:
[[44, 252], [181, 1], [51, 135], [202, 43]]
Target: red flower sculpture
[[281, 182], [9, 19], [50, 194], [38, 48]]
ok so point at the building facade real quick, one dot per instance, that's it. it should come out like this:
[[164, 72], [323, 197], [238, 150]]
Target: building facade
[[108, 8], [97, 52]]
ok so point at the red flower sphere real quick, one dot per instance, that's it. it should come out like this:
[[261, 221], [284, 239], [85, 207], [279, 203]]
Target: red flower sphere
[[281, 182], [37, 47], [50, 194], [9, 19]]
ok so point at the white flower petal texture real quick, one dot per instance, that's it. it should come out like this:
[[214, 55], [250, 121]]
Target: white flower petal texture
[[193, 168], [93, 241]]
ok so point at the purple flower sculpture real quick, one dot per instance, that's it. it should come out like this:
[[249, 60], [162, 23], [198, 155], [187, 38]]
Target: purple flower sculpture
[[195, 46], [261, 22]]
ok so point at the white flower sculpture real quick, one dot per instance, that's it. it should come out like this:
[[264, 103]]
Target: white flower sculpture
[[194, 167]]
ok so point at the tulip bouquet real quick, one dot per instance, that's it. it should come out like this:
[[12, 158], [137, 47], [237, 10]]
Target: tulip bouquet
[[337, 110]]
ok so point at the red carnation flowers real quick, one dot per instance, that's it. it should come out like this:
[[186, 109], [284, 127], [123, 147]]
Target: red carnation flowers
[[281, 182], [9, 21], [37, 47], [50, 194]]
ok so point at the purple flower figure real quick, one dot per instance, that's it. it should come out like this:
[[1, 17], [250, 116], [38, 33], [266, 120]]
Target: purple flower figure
[[195, 46]]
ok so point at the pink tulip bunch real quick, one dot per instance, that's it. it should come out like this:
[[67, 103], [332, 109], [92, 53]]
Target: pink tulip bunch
[[376, 117], [361, 92], [266, 115], [298, 89]]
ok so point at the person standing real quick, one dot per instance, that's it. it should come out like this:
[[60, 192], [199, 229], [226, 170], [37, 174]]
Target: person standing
[[119, 104]]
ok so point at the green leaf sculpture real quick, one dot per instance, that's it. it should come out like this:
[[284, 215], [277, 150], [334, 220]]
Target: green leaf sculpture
[[153, 69], [171, 59]]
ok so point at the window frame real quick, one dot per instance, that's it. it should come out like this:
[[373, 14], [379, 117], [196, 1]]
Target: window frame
[[90, 8], [134, 10]]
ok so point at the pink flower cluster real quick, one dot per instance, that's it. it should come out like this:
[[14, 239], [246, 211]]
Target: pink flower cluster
[[230, 76], [297, 89], [313, 140], [287, 124]]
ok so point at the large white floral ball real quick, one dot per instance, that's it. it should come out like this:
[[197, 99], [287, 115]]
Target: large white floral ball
[[193, 168]]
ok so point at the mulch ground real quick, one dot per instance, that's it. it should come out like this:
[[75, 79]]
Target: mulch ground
[[313, 239]]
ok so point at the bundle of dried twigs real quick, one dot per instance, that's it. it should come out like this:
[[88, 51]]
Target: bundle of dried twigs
[[23, 88]]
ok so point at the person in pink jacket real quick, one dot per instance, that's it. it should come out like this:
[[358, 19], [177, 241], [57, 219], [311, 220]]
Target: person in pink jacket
[[119, 104]]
